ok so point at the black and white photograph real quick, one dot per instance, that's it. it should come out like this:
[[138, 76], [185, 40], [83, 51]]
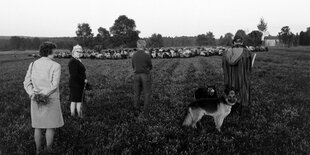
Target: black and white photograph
[[154, 77]]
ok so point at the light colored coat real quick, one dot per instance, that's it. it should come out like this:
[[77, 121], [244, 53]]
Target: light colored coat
[[43, 77]]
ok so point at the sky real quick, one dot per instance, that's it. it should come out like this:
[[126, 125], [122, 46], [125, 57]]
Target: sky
[[59, 18]]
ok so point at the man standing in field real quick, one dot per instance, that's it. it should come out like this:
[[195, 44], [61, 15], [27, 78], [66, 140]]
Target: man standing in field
[[237, 67], [142, 65]]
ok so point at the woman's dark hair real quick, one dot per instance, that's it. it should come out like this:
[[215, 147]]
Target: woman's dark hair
[[46, 48]]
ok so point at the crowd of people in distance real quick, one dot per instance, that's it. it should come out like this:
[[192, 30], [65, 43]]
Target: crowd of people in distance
[[169, 52], [126, 53]]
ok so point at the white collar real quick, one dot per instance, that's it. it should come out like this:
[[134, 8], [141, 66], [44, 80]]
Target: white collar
[[46, 58]]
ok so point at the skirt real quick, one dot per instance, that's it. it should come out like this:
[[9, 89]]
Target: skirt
[[76, 94], [46, 116]]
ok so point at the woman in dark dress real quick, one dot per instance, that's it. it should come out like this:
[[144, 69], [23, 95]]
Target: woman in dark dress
[[77, 80]]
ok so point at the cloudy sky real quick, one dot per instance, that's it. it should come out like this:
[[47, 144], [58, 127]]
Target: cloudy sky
[[57, 18]]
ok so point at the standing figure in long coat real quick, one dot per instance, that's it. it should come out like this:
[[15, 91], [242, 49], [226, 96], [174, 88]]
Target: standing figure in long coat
[[237, 67], [43, 77], [77, 81]]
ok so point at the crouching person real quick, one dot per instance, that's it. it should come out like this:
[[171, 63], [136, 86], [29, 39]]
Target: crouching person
[[42, 85], [142, 64]]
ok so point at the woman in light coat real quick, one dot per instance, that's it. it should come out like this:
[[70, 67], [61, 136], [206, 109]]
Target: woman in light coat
[[43, 77]]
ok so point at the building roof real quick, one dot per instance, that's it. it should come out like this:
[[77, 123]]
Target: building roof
[[271, 38]]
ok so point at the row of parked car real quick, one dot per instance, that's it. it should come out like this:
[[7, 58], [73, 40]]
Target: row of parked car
[[155, 53], [258, 48]]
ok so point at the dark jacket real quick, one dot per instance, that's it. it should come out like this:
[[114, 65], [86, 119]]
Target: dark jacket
[[141, 62], [77, 73]]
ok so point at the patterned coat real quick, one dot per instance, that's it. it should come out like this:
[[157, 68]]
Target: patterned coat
[[237, 67]]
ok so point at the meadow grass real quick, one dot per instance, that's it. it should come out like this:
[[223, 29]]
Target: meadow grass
[[277, 121]]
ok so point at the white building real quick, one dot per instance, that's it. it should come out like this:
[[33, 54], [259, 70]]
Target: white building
[[272, 41]]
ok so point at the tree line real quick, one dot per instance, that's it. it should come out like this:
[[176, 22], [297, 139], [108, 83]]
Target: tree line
[[304, 37], [123, 34], [29, 43]]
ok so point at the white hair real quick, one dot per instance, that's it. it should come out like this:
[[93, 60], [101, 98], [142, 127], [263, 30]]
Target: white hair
[[77, 48]]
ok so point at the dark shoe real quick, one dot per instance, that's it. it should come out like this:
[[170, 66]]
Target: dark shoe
[[47, 151]]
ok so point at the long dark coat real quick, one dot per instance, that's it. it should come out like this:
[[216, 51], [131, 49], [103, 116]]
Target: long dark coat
[[237, 67], [76, 80]]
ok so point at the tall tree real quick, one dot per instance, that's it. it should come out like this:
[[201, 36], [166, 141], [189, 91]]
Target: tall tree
[[307, 36], [156, 40], [262, 26], [84, 35], [296, 40], [286, 36], [98, 42], [226, 40], [202, 40], [205, 39], [210, 39], [302, 37], [104, 33], [255, 38], [103, 38], [124, 32]]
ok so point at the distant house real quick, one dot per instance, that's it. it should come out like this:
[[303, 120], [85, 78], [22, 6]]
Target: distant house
[[272, 41]]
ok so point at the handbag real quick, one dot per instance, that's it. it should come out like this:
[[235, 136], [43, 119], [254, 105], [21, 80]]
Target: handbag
[[88, 86]]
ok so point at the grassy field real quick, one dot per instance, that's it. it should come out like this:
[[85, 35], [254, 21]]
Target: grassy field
[[278, 121]]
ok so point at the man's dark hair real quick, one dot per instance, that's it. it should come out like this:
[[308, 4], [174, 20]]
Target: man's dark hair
[[46, 48], [238, 38]]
